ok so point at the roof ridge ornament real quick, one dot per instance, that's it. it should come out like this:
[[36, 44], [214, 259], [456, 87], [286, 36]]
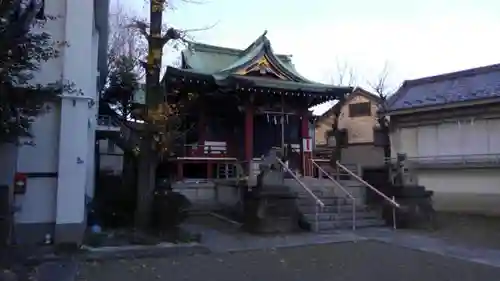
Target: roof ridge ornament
[[257, 41]]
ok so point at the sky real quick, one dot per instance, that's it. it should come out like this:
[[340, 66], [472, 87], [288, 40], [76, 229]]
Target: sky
[[412, 38]]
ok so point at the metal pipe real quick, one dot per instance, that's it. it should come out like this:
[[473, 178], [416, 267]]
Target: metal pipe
[[275, 112], [333, 180], [318, 201], [353, 214], [353, 199], [391, 201], [317, 218], [394, 216], [283, 123]]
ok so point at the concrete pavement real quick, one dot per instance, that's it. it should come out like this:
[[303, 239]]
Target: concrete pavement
[[353, 261]]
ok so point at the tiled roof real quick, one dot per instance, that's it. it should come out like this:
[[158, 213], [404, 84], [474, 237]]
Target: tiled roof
[[211, 59], [466, 85]]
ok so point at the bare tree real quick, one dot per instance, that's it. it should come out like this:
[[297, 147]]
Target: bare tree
[[124, 40], [162, 119], [383, 90], [126, 48], [380, 84], [344, 74]]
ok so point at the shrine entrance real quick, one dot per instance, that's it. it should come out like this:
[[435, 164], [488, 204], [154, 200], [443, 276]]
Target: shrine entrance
[[275, 129], [258, 86]]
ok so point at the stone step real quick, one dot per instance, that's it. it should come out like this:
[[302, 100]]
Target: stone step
[[351, 183], [327, 183], [324, 226], [319, 194], [311, 209], [327, 200], [340, 216]]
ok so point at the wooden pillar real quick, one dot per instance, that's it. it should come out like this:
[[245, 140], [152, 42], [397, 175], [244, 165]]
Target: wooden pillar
[[306, 148], [180, 170], [249, 116], [210, 170], [202, 131]]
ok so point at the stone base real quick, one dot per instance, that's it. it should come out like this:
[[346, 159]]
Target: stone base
[[69, 233], [31, 233], [278, 214], [279, 225], [34, 233]]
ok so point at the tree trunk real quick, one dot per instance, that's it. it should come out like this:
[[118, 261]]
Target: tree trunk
[[384, 130], [387, 145], [148, 158], [145, 187], [337, 152]]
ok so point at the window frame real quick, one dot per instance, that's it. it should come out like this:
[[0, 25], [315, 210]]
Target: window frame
[[354, 113]]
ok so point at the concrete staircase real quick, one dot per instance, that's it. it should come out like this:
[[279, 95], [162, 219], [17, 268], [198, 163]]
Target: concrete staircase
[[338, 210]]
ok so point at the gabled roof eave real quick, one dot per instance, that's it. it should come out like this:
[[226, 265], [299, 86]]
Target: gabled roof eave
[[470, 103]]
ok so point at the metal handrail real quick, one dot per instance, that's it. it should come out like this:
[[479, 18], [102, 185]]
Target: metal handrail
[[106, 120], [344, 190], [333, 180], [391, 201], [240, 172], [319, 203], [303, 185]]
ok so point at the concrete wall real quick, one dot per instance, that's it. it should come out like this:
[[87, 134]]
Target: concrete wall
[[64, 137], [460, 189], [454, 137], [208, 196], [359, 129], [8, 156], [323, 125], [474, 191], [366, 155], [36, 209], [111, 163], [111, 157]]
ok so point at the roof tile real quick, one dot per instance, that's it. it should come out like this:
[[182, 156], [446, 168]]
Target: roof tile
[[467, 85]]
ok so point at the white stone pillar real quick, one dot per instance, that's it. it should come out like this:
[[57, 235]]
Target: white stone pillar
[[93, 112], [74, 126]]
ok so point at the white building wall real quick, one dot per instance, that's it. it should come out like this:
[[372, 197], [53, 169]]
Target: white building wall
[[460, 189], [38, 205], [465, 137], [64, 137], [75, 119], [474, 191], [93, 112]]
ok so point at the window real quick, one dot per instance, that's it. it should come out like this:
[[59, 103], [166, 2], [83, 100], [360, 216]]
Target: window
[[40, 15], [360, 109]]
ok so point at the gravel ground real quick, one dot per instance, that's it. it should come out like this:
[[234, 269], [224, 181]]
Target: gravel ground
[[467, 230], [341, 261]]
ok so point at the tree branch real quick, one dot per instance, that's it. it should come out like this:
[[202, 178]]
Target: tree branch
[[379, 85], [344, 75]]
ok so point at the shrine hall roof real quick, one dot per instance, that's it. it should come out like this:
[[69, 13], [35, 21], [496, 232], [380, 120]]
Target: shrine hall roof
[[459, 88], [211, 59], [227, 66]]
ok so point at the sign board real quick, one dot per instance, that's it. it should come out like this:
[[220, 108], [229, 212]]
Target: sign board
[[307, 145]]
